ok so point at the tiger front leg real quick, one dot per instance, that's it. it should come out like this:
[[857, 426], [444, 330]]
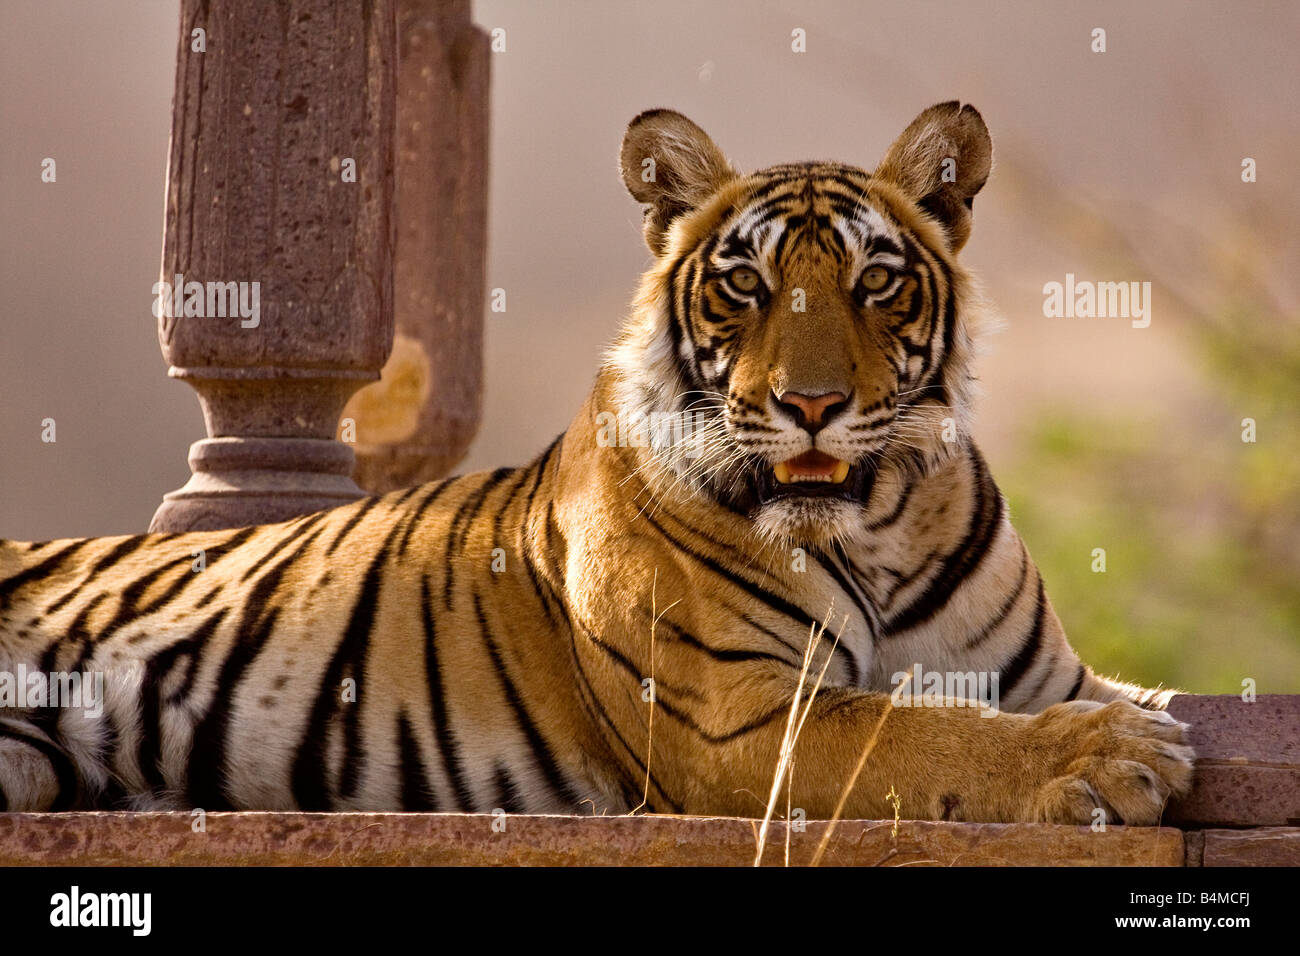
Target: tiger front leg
[[960, 763], [1106, 689]]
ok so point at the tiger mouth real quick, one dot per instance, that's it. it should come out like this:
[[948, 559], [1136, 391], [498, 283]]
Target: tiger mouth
[[813, 474]]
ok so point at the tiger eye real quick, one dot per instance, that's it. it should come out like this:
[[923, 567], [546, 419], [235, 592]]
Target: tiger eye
[[875, 278], [744, 279]]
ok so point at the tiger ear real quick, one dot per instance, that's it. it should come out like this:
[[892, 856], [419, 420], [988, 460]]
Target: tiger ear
[[671, 164], [941, 161]]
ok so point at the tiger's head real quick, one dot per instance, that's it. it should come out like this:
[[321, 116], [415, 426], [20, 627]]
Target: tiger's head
[[803, 327]]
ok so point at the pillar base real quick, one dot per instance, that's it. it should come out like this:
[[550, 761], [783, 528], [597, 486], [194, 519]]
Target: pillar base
[[246, 481]]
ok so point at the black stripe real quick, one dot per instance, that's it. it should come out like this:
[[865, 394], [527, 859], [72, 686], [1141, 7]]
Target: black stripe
[[234, 542], [348, 661], [206, 782], [767, 209], [734, 302], [1028, 652], [460, 526], [108, 753], [288, 536], [904, 321], [735, 246], [690, 371], [934, 384], [675, 328], [77, 635], [984, 632], [173, 591], [618, 657], [177, 587], [930, 363], [949, 329], [229, 546], [46, 718], [894, 515], [1078, 685], [850, 588], [121, 551], [127, 610], [850, 211], [662, 704], [415, 784], [541, 750], [798, 651], [521, 475], [474, 505], [832, 241], [986, 519], [418, 513], [762, 194], [773, 601], [403, 498], [588, 696], [723, 655], [507, 791], [351, 523], [9, 586], [541, 464], [549, 600], [157, 667], [1049, 671], [207, 760], [543, 589], [445, 736]]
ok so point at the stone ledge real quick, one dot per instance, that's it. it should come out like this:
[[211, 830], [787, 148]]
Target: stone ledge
[[1262, 846], [454, 839], [1248, 775], [1247, 761]]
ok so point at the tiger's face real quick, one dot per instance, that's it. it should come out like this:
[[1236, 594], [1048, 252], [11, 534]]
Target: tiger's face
[[803, 326]]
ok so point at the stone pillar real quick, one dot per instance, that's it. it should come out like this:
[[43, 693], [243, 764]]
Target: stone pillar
[[269, 122], [417, 422]]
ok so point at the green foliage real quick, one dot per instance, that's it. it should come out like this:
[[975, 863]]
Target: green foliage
[[1201, 530]]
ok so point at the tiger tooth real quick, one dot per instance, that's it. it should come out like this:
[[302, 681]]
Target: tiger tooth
[[841, 471], [782, 473]]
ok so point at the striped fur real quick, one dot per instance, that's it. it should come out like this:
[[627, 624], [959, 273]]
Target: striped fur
[[490, 641]]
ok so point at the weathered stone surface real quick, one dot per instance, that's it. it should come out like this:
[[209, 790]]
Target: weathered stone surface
[[1247, 760], [267, 123], [363, 839], [416, 423], [1263, 846]]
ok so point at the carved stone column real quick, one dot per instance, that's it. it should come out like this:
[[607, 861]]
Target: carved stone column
[[417, 422], [270, 121]]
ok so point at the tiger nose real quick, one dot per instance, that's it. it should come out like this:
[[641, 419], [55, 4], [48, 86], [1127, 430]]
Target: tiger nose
[[812, 412]]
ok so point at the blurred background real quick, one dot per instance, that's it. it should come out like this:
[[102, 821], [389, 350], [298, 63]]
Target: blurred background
[[1116, 166]]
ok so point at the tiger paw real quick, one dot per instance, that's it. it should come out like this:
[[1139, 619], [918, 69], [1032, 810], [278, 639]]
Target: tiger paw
[[1112, 762]]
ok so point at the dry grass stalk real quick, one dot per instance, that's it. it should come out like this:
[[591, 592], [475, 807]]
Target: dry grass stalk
[[844, 797], [793, 725], [655, 615]]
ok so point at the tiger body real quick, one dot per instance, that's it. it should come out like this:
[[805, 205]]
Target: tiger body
[[623, 624]]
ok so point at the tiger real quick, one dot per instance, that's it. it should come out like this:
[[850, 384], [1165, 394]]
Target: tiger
[[770, 505]]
